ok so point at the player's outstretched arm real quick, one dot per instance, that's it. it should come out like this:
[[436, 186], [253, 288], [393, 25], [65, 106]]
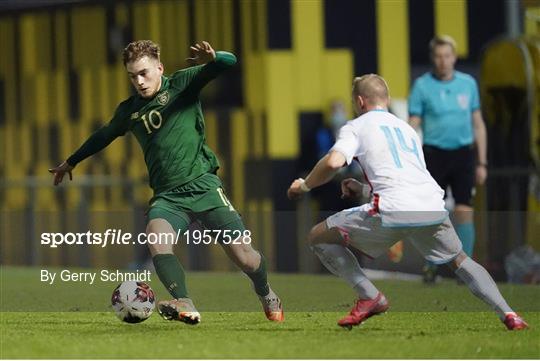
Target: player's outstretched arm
[[96, 142], [210, 63], [60, 171], [201, 53], [322, 173]]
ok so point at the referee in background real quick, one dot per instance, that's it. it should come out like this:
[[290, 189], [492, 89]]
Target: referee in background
[[445, 104]]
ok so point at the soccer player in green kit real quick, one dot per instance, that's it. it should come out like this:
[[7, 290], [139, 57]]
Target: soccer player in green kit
[[166, 118]]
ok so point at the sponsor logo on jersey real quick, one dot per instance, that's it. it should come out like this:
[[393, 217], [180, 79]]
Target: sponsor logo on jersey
[[463, 101], [163, 98], [134, 115]]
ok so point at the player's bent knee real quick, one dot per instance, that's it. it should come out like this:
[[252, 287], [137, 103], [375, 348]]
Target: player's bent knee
[[463, 208], [315, 233], [160, 237], [463, 213], [154, 250], [322, 234], [456, 262], [159, 225]]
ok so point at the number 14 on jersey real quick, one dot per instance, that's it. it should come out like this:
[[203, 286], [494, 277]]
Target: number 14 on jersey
[[391, 137]]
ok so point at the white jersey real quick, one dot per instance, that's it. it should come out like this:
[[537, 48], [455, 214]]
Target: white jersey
[[390, 154]]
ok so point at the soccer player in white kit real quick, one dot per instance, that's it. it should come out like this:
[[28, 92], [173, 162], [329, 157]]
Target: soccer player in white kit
[[406, 204]]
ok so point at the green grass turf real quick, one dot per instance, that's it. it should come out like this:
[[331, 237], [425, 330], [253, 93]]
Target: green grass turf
[[443, 321]]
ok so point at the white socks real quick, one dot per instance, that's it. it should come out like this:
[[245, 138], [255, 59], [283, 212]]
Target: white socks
[[342, 262], [482, 286]]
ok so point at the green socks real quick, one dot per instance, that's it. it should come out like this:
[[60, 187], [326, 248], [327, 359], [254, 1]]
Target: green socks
[[259, 279], [171, 274]]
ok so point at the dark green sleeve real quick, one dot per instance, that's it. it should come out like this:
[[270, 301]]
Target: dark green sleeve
[[101, 138], [195, 78]]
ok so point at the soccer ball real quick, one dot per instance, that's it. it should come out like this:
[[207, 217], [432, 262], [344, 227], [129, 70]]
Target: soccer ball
[[133, 302]]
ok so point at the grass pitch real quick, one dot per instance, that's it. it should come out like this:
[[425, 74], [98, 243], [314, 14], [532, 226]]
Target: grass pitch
[[443, 321]]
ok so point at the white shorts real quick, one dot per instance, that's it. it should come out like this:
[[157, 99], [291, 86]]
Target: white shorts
[[363, 230]]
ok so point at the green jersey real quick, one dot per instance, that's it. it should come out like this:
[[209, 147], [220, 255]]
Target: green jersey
[[169, 127]]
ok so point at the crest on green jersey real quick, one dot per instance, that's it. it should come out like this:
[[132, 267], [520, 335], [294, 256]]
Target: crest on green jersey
[[163, 98]]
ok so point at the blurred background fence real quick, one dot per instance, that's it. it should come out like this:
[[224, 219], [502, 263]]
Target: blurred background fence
[[61, 77]]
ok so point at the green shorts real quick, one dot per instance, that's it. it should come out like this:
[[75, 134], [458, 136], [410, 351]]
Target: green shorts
[[203, 199]]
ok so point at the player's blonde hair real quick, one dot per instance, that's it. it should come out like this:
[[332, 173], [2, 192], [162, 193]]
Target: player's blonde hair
[[138, 49], [372, 87], [439, 40]]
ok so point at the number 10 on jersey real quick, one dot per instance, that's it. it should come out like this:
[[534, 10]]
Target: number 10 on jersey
[[152, 120]]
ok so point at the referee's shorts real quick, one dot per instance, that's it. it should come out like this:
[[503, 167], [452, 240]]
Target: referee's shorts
[[454, 168]]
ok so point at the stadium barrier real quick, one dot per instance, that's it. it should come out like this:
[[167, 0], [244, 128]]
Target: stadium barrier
[[506, 226]]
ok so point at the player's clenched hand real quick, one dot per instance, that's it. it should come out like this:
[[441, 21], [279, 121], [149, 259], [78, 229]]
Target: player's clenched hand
[[60, 171], [201, 53], [295, 191], [351, 188]]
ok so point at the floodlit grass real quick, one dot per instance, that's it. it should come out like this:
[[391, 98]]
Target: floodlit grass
[[443, 321]]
